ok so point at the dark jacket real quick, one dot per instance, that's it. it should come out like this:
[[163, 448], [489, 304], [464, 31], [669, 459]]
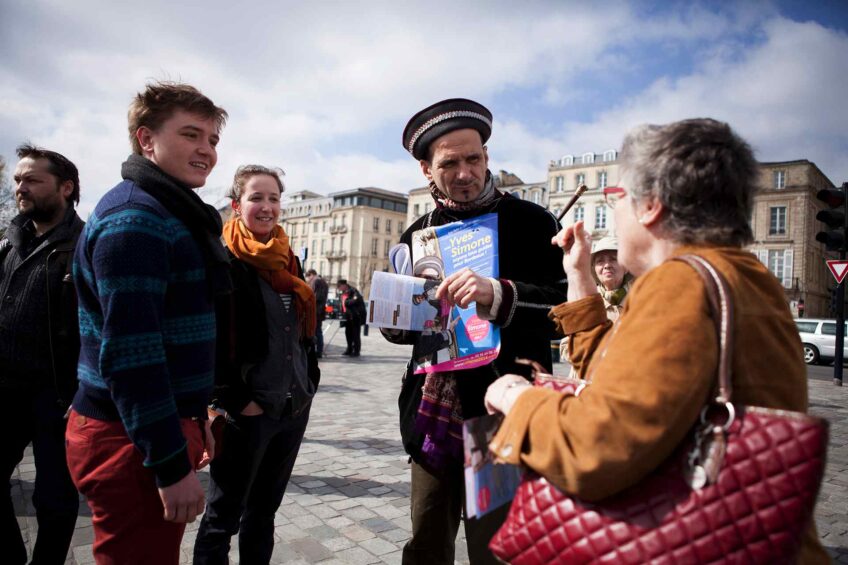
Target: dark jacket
[[242, 339], [354, 306], [532, 279], [321, 289], [39, 331]]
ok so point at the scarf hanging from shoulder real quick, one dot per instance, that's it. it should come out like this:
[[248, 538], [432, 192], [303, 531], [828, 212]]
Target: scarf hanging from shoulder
[[201, 219], [275, 263], [439, 420], [488, 195]]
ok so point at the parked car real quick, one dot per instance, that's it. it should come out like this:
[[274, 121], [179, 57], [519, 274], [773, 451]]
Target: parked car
[[332, 308], [819, 339]]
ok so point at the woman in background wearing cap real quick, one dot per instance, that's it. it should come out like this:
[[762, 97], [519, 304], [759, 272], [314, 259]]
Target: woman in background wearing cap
[[265, 401], [686, 188], [612, 280]]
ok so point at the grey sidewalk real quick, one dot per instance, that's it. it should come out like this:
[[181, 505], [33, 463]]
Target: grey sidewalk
[[348, 498]]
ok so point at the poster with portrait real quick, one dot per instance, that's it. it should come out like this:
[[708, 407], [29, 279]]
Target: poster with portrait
[[465, 340]]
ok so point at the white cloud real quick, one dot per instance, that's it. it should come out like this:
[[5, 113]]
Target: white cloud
[[785, 96]]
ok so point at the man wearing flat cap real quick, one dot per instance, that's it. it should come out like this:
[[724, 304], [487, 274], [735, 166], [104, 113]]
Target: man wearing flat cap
[[448, 140]]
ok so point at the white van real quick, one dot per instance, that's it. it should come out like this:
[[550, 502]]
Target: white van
[[819, 339]]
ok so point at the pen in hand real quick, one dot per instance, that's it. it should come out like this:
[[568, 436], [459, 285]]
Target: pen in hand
[[577, 194]]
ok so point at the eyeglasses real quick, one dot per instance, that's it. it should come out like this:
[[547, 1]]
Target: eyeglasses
[[612, 194]]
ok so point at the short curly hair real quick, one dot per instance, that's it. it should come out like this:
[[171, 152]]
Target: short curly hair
[[152, 107], [701, 171]]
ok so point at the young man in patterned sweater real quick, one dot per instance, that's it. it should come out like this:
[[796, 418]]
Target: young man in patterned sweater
[[147, 269]]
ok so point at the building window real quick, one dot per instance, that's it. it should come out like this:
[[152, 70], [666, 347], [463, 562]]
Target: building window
[[579, 213], [579, 178], [777, 221], [388, 226], [341, 243], [415, 210], [780, 179], [602, 179], [560, 184], [537, 197], [601, 217], [566, 160], [324, 226], [427, 207], [314, 249], [332, 244], [780, 265], [315, 228], [323, 246], [374, 243], [386, 247], [609, 155], [376, 224], [344, 219], [588, 158]]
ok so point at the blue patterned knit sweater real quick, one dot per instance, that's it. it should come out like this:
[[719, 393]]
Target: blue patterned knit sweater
[[147, 326]]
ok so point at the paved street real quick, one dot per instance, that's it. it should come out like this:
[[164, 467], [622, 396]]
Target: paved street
[[348, 499]]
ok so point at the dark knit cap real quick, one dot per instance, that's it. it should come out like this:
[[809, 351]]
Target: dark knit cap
[[444, 117]]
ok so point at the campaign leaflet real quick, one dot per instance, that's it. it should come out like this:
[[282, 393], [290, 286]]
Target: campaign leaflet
[[405, 303], [488, 485], [465, 340]]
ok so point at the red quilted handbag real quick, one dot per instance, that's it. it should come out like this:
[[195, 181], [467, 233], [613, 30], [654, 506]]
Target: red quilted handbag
[[741, 490]]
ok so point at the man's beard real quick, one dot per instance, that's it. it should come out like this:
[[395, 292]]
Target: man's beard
[[465, 193], [40, 212]]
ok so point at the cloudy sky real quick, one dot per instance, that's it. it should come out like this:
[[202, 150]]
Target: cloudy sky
[[324, 89]]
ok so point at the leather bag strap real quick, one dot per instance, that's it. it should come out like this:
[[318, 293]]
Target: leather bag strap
[[721, 310]]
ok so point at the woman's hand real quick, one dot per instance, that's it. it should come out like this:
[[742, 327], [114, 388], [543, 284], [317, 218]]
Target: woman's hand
[[252, 409], [576, 245], [502, 394]]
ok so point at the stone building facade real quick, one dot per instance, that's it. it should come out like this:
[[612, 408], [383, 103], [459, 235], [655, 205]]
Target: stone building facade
[[785, 227], [346, 234], [596, 171]]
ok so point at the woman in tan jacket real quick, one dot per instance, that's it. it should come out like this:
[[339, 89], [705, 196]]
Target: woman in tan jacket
[[686, 187]]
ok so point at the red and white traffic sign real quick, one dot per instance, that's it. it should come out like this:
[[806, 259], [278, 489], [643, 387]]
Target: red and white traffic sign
[[839, 268]]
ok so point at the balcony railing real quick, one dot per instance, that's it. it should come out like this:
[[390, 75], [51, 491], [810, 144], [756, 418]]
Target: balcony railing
[[336, 255], [338, 229]]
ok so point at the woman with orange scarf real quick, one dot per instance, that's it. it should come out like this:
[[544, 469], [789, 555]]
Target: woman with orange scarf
[[266, 375]]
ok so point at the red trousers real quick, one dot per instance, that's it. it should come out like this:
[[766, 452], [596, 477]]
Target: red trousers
[[126, 510]]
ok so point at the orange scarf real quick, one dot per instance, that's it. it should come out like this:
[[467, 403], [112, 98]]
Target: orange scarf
[[275, 263]]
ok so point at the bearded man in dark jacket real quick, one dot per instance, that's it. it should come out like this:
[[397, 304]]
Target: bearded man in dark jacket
[[448, 139], [39, 347]]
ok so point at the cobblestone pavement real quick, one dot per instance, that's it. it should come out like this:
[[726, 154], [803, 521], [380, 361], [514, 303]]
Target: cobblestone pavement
[[348, 500]]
